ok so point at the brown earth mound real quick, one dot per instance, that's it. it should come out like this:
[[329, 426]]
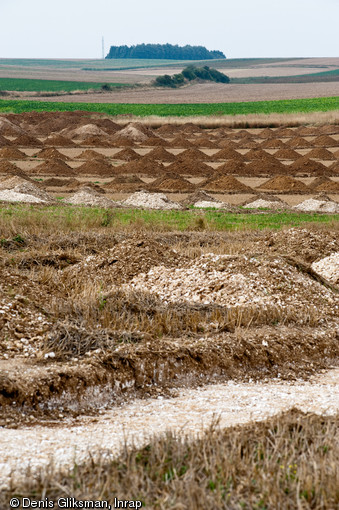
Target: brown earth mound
[[324, 184], [124, 261], [98, 166], [161, 154], [320, 153], [306, 131], [192, 155], [121, 142], [26, 141], [8, 168], [190, 128], [91, 186], [125, 184], [8, 128], [306, 166], [265, 167], [225, 184], [334, 168], [273, 143], [89, 154], [167, 130], [56, 167], [127, 154], [267, 133], [51, 153], [227, 154], [95, 141], [285, 133], [11, 153], [286, 154], [298, 143], [143, 166], [329, 129], [205, 143], [230, 144], [257, 154], [4, 142], [284, 183], [234, 167], [54, 182], [155, 142], [242, 134], [181, 143], [325, 141], [198, 196], [246, 144], [171, 183], [59, 141], [191, 168]]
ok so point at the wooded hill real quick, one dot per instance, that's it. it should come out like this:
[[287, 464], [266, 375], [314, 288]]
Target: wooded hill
[[164, 52]]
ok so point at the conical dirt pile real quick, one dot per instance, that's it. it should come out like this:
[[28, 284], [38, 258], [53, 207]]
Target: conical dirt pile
[[99, 167], [7, 168], [127, 154], [198, 196], [306, 166], [321, 153], [56, 167], [11, 153], [288, 154], [299, 143], [265, 167], [191, 168], [50, 153], [230, 144], [95, 141], [284, 184], [8, 128], [204, 142], [227, 153], [125, 184], [155, 142], [172, 183], [181, 143], [234, 167], [143, 166], [327, 187], [161, 154], [257, 154], [325, 141], [89, 154], [26, 141], [334, 168], [192, 155], [225, 184], [4, 142], [273, 143]]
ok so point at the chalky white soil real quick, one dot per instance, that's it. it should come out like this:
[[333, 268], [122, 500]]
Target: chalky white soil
[[190, 412]]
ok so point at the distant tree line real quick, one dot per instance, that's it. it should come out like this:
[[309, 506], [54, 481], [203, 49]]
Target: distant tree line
[[191, 73], [164, 51]]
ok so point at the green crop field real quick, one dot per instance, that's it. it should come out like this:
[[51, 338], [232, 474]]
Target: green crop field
[[20, 84], [324, 76], [322, 104]]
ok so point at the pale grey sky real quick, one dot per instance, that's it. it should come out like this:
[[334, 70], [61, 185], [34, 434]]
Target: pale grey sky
[[241, 28]]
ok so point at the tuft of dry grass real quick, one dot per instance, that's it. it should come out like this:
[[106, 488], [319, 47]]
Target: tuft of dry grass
[[286, 462]]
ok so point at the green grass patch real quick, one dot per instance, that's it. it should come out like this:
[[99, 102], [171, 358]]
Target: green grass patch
[[28, 218], [23, 85], [321, 104]]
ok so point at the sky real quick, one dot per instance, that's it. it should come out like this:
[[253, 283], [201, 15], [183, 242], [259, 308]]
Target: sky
[[241, 28]]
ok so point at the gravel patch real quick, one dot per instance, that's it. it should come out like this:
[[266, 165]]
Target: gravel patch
[[328, 267]]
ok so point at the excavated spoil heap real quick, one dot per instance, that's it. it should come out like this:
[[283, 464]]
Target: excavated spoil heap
[[161, 154], [51, 153], [306, 166], [171, 183], [56, 167], [284, 184], [127, 154], [225, 184], [12, 153], [99, 167]]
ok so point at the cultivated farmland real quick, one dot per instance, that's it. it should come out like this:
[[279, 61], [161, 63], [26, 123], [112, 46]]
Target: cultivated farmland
[[152, 276]]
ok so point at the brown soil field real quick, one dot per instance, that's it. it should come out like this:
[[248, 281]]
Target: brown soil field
[[204, 93]]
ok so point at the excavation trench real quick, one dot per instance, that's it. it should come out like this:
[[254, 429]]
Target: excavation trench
[[189, 412]]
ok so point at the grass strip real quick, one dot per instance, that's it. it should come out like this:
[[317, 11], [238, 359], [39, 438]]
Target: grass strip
[[22, 218], [321, 104]]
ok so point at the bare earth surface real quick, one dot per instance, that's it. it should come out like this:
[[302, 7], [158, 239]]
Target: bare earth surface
[[191, 412], [205, 93]]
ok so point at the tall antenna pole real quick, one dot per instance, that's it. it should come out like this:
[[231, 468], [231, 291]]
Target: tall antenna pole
[[103, 47]]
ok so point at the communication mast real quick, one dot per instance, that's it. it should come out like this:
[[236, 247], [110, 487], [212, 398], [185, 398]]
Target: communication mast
[[103, 47]]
